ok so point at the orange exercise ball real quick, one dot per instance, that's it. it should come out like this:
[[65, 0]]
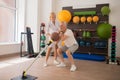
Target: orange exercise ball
[[95, 18], [76, 19], [64, 15], [89, 19], [83, 19]]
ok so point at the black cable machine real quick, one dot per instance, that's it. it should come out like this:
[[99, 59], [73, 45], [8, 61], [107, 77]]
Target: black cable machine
[[30, 50]]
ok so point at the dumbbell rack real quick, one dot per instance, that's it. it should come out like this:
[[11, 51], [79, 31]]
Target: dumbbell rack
[[42, 37], [113, 59]]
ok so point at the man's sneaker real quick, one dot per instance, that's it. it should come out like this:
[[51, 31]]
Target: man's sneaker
[[61, 65], [56, 62], [45, 64], [73, 68]]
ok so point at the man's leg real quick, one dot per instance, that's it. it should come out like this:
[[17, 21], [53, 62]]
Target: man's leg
[[69, 53], [70, 57], [59, 51]]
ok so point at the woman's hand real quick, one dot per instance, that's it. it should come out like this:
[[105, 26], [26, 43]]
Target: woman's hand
[[49, 34]]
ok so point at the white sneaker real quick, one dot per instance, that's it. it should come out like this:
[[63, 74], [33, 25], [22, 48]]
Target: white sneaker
[[56, 62], [45, 64], [73, 68], [61, 65]]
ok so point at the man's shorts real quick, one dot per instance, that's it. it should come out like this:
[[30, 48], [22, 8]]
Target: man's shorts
[[72, 48]]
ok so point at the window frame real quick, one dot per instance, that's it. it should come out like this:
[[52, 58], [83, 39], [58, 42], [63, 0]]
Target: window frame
[[15, 21]]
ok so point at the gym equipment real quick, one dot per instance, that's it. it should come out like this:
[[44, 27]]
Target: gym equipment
[[84, 34], [76, 19], [64, 15], [105, 10], [42, 32], [43, 24], [89, 19], [42, 44], [86, 26], [43, 37], [84, 13], [96, 44], [24, 76], [30, 51], [86, 56], [88, 34], [88, 44], [82, 43], [100, 44], [104, 31], [95, 19], [113, 59], [83, 19]]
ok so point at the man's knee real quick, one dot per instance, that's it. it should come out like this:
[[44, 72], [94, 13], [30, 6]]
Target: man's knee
[[59, 51], [68, 52]]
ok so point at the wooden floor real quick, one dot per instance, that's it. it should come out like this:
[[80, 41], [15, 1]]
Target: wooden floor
[[87, 70]]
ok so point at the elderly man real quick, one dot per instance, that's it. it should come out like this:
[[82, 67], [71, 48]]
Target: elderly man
[[68, 44]]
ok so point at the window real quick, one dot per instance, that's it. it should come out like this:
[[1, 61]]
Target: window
[[7, 21]]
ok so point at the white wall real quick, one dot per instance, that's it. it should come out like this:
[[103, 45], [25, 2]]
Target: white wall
[[31, 19], [114, 17]]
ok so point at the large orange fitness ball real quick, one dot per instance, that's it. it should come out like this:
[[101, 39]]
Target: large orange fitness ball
[[64, 15], [76, 19], [55, 36]]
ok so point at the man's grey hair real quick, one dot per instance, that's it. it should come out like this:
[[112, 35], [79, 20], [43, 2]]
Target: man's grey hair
[[64, 23]]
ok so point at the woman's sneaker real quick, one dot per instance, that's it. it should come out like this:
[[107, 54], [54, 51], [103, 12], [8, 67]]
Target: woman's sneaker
[[61, 65], [45, 64], [56, 62], [73, 68]]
